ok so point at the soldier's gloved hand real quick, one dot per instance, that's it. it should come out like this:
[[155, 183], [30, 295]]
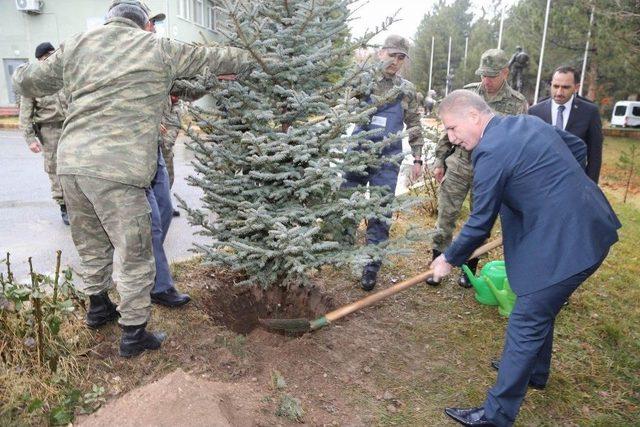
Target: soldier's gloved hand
[[440, 267], [35, 147]]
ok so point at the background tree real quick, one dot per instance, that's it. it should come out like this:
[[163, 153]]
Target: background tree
[[443, 21], [270, 165], [613, 68]]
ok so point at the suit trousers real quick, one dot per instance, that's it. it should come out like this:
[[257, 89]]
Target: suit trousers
[[159, 197], [527, 350], [111, 229]]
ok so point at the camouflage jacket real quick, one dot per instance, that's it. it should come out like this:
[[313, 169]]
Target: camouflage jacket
[[409, 108], [117, 78], [48, 109], [171, 119], [506, 101]]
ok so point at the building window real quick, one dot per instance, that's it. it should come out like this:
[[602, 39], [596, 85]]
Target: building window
[[211, 19], [198, 12], [183, 9]]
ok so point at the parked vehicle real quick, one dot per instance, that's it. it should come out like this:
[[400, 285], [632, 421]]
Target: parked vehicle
[[626, 114]]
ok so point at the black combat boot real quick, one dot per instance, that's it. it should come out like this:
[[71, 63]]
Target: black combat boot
[[101, 310], [435, 254], [63, 214], [135, 339], [369, 276], [473, 266]]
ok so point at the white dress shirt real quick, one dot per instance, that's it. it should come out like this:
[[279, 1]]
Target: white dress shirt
[[565, 113]]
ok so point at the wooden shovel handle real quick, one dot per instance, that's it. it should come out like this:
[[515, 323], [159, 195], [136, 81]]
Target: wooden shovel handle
[[380, 295]]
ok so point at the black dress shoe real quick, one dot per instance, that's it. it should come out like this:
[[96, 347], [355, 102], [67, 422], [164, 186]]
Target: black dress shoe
[[136, 339], [469, 417], [369, 279], [495, 364], [176, 212], [101, 310], [170, 298], [64, 214]]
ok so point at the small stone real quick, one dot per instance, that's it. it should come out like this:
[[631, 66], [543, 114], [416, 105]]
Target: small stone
[[324, 375], [392, 409], [254, 379], [367, 370]]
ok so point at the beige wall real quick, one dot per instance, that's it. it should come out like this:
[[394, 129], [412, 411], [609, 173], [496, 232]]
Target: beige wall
[[60, 19]]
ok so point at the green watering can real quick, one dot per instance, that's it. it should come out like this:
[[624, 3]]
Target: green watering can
[[496, 272], [505, 296]]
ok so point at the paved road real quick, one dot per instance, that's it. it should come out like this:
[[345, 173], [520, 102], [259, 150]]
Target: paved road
[[30, 223]]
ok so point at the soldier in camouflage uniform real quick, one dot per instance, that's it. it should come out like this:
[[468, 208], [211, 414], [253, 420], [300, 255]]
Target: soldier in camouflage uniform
[[391, 118], [119, 76], [456, 182], [41, 123]]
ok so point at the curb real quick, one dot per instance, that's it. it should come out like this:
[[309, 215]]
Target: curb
[[9, 126]]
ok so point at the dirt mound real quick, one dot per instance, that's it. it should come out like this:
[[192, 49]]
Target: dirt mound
[[181, 399]]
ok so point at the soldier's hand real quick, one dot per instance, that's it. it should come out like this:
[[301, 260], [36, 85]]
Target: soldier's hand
[[163, 129], [438, 174], [35, 147], [416, 171]]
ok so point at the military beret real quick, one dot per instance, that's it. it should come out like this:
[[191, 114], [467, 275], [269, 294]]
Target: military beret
[[492, 62], [396, 44], [44, 48]]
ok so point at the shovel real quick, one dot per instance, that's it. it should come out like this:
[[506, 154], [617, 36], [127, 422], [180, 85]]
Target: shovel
[[304, 325]]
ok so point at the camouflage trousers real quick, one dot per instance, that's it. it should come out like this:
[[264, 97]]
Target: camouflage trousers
[[111, 229], [453, 190], [50, 135], [167, 144]]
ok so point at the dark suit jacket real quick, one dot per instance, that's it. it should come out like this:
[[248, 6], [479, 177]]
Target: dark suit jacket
[[584, 122], [556, 222]]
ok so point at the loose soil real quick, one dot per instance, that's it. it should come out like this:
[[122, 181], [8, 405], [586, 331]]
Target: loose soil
[[241, 308], [178, 399], [217, 337]]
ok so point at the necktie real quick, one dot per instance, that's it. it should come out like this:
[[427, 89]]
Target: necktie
[[559, 118]]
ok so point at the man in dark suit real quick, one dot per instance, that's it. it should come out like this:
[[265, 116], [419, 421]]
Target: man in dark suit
[[557, 228], [573, 113]]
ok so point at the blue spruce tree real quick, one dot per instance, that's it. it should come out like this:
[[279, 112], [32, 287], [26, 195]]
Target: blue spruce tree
[[276, 146]]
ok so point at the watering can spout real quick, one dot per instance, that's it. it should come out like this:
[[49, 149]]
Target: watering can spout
[[473, 279]]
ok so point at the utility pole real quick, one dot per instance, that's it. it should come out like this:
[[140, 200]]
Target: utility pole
[[501, 26], [466, 49], [446, 86], [431, 62], [586, 53], [544, 39]]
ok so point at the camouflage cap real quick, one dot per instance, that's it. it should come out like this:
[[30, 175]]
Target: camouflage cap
[[492, 62], [138, 3], [396, 44], [158, 17]]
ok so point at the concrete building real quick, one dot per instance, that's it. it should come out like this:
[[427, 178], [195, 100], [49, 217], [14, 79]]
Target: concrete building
[[26, 23]]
